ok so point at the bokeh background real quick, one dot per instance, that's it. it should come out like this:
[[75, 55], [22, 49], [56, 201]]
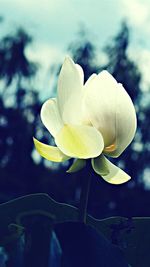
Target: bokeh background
[[35, 36]]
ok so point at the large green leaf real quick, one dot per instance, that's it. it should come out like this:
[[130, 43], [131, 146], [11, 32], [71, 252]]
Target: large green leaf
[[82, 246], [13, 213], [131, 235]]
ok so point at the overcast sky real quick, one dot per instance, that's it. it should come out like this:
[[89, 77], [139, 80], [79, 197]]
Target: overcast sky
[[54, 24]]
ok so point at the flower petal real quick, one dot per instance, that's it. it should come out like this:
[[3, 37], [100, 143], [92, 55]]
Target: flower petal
[[100, 103], [50, 116], [108, 171], [126, 123], [77, 165], [80, 141], [70, 85], [85, 115], [81, 73], [49, 152], [111, 111], [90, 79]]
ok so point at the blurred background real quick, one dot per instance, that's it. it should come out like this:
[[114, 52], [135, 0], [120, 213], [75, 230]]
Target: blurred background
[[35, 36]]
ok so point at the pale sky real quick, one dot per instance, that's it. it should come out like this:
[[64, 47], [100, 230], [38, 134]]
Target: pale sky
[[55, 23]]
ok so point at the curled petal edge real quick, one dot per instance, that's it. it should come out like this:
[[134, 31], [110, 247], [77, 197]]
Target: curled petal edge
[[50, 153], [108, 171]]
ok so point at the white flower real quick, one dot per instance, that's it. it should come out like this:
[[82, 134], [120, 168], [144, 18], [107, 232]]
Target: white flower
[[88, 121]]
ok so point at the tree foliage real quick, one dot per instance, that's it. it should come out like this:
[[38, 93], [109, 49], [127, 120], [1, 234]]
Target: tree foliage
[[14, 63], [19, 119]]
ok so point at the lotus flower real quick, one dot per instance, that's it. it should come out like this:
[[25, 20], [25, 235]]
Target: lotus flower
[[88, 121]]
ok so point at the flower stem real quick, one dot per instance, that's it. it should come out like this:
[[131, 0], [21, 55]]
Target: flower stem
[[85, 188]]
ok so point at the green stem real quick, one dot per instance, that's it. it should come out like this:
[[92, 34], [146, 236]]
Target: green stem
[[85, 188]]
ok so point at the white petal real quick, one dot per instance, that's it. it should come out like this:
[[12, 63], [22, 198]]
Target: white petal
[[50, 116], [80, 70], [111, 111], [100, 103], [85, 114], [70, 86], [51, 153], [126, 123], [90, 79], [80, 141], [77, 165], [108, 171]]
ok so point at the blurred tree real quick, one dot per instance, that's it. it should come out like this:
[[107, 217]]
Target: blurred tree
[[120, 65], [84, 53], [21, 170], [19, 120], [14, 64], [18, 109]]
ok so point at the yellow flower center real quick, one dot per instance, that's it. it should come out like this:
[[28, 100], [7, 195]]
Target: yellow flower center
[[110, 148]]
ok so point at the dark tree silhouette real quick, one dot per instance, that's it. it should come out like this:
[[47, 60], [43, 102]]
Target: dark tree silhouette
[[84, 53], [120, 65], [19, 122], [13, 61]]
